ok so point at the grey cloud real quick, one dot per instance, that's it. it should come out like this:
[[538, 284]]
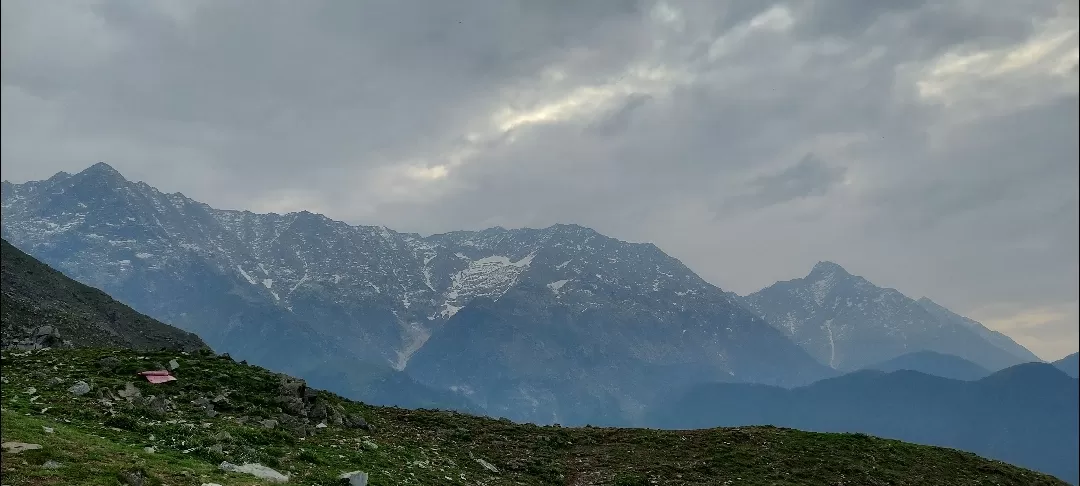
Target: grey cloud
[[636, 118], [808, 177], [618, 120]]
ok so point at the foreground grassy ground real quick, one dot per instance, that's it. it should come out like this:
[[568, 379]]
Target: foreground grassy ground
[[217, 411]]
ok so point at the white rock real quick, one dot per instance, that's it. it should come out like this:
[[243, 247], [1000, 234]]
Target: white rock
[[355, 478], [17, 447], [258, 470], [487, 465], [322, 425], [149, 450], [173, 364], [48, 430]]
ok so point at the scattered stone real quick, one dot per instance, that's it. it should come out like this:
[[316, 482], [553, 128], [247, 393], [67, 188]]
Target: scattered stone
[[487, 465], [292, 388], [322, 425], [129, 392], [149, 449], [222, 436], [133, 478], [3, 379], [80, 388], [210, 484], [319, 411], [370, 445], [173, 364], [255, 469], [109, 363], [355, 478], [56, 380], [31, 391], [357, 422], [159, 405], [293, 405], [51, 465], [216, 449], [47, 430], [17, 447], [269, 423]]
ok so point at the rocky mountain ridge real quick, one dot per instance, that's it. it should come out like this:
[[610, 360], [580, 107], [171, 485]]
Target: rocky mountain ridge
[[292, 291], [847, 322]]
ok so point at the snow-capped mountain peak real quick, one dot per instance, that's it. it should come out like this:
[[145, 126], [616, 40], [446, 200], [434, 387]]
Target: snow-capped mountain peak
[[848, 322]]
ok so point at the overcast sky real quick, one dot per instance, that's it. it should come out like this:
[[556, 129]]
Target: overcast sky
[[928, 146]]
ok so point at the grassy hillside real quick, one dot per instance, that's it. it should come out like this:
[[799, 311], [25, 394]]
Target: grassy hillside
[[35, 294], [217, 411]]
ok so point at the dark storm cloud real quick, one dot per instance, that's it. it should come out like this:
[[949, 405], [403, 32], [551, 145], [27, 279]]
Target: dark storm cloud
[[942, 133]]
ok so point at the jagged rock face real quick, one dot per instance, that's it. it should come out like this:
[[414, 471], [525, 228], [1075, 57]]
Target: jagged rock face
[[849, 323], [561, 311]]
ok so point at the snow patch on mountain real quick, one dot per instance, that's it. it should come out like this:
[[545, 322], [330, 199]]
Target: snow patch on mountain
[[415, 335], [251, 280], [557, 285]]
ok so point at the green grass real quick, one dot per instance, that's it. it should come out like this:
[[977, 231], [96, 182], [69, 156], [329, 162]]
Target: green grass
[[96, 443]]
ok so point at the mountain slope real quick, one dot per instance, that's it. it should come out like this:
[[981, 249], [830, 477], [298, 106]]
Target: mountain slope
[[996, 338], [936, 364], [35, 295], [291, 291], [1025, 414], [219, 411], [1070, 365], [849, 323]]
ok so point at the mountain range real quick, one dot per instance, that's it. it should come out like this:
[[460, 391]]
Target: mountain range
[[559, 324], [933, 363], [553, 325], [1025, 414]]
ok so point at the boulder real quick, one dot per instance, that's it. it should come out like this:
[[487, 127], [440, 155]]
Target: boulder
[[80, 388], [354, 478], [46, 337], [258, 470]]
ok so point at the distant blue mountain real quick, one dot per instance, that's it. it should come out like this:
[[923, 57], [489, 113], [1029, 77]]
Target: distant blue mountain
[[1025, 414], [934, 363], [1070, 365]]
